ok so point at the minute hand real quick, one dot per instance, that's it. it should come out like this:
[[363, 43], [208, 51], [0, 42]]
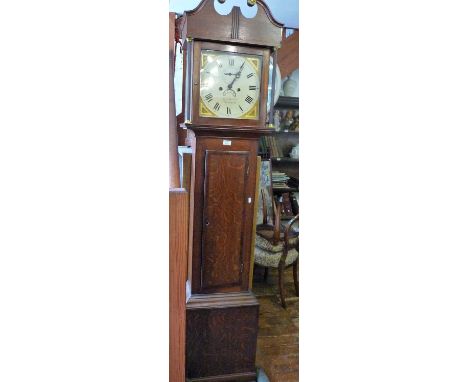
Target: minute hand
[[236, 76]]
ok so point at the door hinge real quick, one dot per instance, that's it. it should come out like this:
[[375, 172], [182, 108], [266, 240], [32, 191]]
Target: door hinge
[[242, 267]]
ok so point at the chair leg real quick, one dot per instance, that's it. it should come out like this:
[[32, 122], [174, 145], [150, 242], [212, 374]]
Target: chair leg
[[265, 275], [296, 276], [281, 284]]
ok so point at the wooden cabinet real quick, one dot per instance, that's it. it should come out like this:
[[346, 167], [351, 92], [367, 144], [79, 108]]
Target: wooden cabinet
[[225, 342], [222, 313], [224, 191]]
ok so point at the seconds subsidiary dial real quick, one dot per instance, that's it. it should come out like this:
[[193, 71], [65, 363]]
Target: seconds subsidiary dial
[[229, 85]]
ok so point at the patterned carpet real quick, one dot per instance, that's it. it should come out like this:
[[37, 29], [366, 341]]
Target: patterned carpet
[[278, 337]]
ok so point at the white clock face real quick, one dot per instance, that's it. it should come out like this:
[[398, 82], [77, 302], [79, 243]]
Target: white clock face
[[229, 85]]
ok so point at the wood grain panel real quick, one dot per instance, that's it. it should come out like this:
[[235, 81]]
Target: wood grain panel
[[262, 29], [221, 341], [224, 218], [178, 246], [199, 204]]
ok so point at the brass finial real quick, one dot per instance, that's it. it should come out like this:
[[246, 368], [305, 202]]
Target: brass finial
[[251, 3]]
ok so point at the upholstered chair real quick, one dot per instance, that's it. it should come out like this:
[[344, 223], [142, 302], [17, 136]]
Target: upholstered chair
[[277, 246]]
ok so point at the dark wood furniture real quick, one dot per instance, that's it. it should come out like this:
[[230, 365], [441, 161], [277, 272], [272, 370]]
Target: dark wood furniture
[[223, 181], [222, 312]]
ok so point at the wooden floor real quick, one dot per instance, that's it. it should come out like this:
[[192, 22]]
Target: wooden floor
[[278, 337]]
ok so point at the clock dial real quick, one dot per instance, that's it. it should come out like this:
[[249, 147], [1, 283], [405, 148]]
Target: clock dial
[[229, 85]]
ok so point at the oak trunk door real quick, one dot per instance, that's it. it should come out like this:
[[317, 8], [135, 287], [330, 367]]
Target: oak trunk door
[[224, 219]]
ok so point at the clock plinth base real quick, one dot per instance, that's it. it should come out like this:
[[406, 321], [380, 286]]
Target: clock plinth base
[[222, 337], [240, 377]]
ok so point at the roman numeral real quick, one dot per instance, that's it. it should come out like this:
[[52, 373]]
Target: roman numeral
[[209, 97], [250, 75], [228, 110], [216, 107], [252, 87], [248, 99], [220, 65], [231, 61], [241, 108]]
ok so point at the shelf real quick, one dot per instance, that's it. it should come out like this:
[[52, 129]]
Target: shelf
[[285, 189], [288, 102], [286, 132], [285, 159]]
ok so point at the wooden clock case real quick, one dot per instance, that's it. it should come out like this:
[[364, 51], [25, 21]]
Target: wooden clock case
[[222, 312], [193, 101]]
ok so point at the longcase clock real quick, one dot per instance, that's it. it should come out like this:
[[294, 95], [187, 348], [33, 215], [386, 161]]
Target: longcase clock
[[226, 87]]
